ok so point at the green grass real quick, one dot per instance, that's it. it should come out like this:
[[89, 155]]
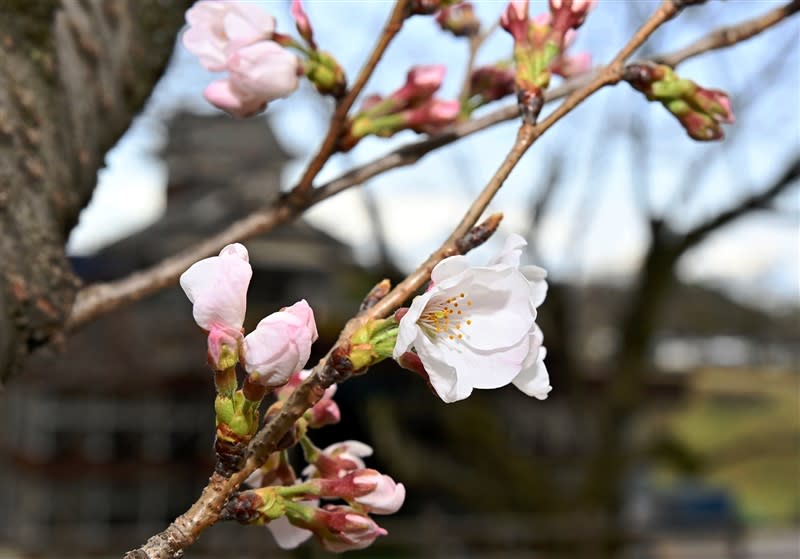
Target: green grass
[[745, 427]]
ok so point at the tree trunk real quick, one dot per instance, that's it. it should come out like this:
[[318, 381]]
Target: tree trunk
[[72, 75]]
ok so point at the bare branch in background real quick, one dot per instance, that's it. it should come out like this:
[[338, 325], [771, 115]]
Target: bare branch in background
[[758, 201]]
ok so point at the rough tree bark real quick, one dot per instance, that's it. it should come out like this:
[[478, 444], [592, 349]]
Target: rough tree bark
[[73, 73]]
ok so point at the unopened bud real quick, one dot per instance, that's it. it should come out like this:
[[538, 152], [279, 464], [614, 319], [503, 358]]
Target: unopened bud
[[567, 15], [459, 19], [326, 74], [491, 83], [699, 110], [515, 20], [421, 83], [432, 115], [303, 23], [714, 103]]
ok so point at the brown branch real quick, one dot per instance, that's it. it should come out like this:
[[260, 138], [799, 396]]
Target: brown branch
[[757, 201], [96, 300], [205, 511], [329, 144], [730, 35]]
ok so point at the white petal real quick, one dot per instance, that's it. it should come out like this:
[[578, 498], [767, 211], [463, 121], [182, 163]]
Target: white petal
[[536, 277], [534, 380], [489, 369], [511, 251], [448, 268], [409, 329], [442, 376], [500, 313], [287, 535]]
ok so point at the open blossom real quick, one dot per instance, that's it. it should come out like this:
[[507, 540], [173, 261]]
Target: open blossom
[[217, 29], [475, 327], [280, 344]]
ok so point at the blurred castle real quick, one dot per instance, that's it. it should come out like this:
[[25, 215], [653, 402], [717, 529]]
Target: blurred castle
[[102, 447]]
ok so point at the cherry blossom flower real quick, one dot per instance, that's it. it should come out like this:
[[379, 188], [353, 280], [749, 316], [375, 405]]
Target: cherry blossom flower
[[264, 70], [217, 29], [280, 344], [223, 96], [217, 287], [475, 327], [234, 37]]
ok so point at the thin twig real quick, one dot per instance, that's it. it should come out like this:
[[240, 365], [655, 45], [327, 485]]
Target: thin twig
[[99, 299], [328, 147], [730, 35]]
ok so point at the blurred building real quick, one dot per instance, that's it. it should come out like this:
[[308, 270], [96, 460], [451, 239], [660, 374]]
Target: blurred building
[[104, 444]]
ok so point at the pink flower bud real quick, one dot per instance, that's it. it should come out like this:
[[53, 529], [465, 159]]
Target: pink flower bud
[[344, 529], [371, 489], [280, 344], [303, 23], [421, 83], [324, 412], [338, 460], [220, 94], [385, 496], [568, 14], [217, 287], [700, 126], [216, 29], [571, 65], [515, 20], [263, 71], [432, 115], [491, 83], [223, 347], [715, 103]]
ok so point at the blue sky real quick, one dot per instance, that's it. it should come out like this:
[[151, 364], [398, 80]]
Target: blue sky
[[595, 228]]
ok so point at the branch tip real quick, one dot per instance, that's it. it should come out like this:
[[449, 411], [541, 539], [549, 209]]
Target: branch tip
[[479, 234]]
